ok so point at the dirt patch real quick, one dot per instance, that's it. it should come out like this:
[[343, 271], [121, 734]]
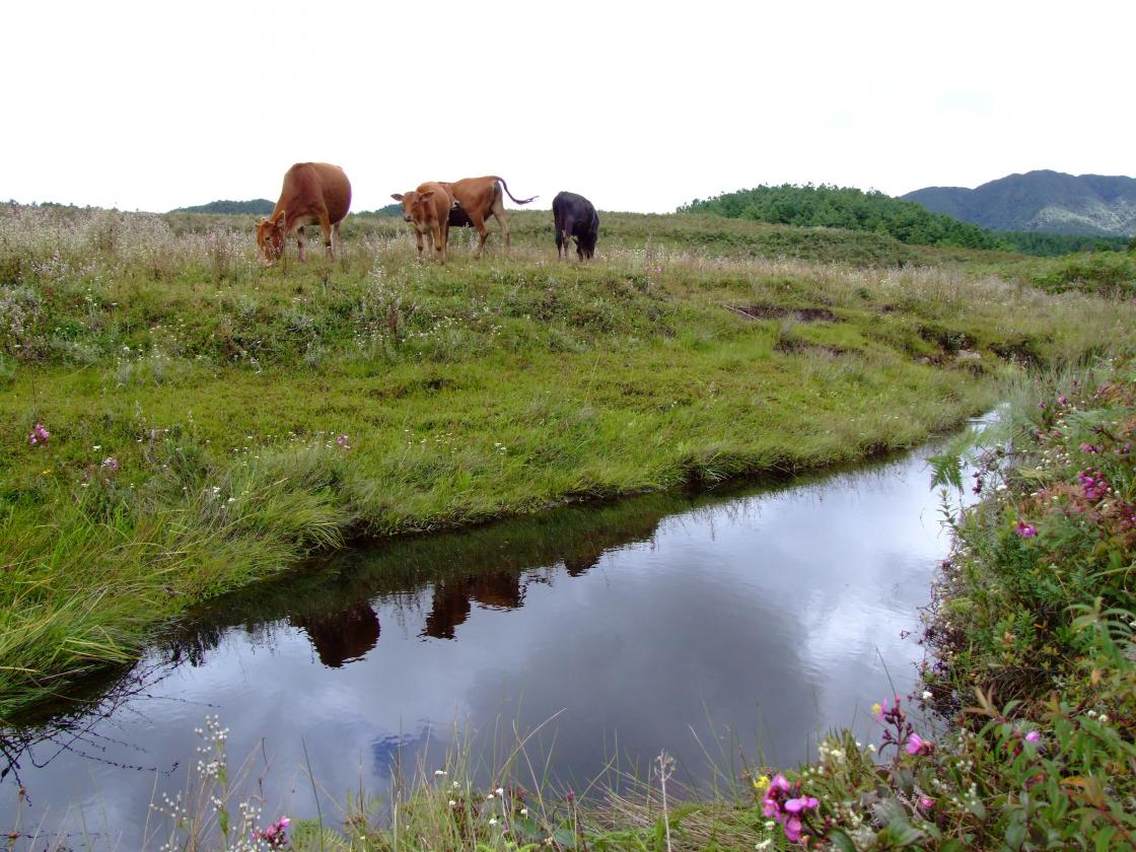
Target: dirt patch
[[794, 345], [761, 312]]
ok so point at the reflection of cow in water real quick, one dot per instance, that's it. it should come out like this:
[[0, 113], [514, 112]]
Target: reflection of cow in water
[[451, 605], [342, 637]]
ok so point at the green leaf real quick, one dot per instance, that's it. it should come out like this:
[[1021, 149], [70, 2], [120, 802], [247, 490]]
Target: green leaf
[[841, 841], [1016, 830], [1104, 839]]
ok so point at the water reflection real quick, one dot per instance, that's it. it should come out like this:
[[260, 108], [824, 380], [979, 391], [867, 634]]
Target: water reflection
[[743, 622], [453, 599], [341, 637]]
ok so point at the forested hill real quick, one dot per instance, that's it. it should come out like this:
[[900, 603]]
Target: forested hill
[[845, 207], [1045, 201], [258, 207]]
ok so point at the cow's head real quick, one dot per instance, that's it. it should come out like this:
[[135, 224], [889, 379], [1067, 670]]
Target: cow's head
[[270, 237], [414, 204]]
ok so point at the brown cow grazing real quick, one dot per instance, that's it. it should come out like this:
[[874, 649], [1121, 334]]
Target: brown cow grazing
[[313, 193], [481, 198], [428, 210]]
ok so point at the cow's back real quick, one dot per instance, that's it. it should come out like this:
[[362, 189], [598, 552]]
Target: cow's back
[[312, 185], [476, 194]]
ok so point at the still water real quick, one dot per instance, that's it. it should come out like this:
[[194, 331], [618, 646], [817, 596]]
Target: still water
[[713, 626]]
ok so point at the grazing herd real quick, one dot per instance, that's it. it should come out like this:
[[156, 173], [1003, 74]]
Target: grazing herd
[[319, 193]]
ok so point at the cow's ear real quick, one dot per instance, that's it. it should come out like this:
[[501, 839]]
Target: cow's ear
[[397, 196], [425, 195], [280, 220]]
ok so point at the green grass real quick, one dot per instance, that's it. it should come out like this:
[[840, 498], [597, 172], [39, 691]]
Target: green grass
[[693, 351]]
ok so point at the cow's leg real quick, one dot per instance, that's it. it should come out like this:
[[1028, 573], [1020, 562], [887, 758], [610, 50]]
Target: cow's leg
[[438, 240], [325, 228], [498, 211], [445, 227], [335, 236], [564, 237], [418, 239], [300, 241], [482, 232]]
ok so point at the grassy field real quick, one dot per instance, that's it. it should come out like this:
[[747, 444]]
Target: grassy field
[[211, 421]]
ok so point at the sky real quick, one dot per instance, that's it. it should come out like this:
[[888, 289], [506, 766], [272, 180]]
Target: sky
[[639, 106]]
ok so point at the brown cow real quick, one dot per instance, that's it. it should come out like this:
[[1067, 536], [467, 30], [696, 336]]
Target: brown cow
[[481, 198], [312, 193], [428, 210]]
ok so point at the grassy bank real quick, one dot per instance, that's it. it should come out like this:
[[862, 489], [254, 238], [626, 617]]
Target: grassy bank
[[1033, 745], [211, 422]]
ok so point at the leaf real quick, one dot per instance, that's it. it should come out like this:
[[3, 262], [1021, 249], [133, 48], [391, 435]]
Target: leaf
[[841, 841], [1016, 830], [1104, 838]]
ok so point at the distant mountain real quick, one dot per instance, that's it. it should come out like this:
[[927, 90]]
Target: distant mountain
[[1047, 201], [258, 207]]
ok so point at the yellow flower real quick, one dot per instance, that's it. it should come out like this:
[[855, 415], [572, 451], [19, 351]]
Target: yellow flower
[[760, 782], [877, 710], [46, 472]]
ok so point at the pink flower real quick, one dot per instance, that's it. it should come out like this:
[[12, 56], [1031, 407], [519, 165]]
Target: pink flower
[[926, 803], [1093, 484], [917, 745], [1033, 737], [1062, 399], [274, 835], [1091, 449], [342, 440], [38, 435], [802, 803], [110, 463], [1025, 530], [793, 829]]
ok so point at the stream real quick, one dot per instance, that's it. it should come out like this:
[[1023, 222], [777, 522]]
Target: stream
[[724, 627]]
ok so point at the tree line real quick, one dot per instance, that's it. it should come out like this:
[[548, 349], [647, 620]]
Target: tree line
[[853, 209]]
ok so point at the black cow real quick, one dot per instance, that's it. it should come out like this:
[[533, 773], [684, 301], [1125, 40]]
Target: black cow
[[575, 217]]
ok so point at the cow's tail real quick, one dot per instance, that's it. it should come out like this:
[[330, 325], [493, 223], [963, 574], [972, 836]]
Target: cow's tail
[[515, 200]]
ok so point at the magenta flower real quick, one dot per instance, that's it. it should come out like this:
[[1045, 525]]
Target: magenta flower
[[779, 782], [785, 803], [1091, 449], [793, 829], [342, 440], [917, 745], [1062, 399], [275, 834], [1033, 737], [926, 803], [1025, 530], [801, 803], [110, 463], [1093, 485], [38, 435]]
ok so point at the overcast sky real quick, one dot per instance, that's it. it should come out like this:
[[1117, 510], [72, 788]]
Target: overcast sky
[[638, 106]]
